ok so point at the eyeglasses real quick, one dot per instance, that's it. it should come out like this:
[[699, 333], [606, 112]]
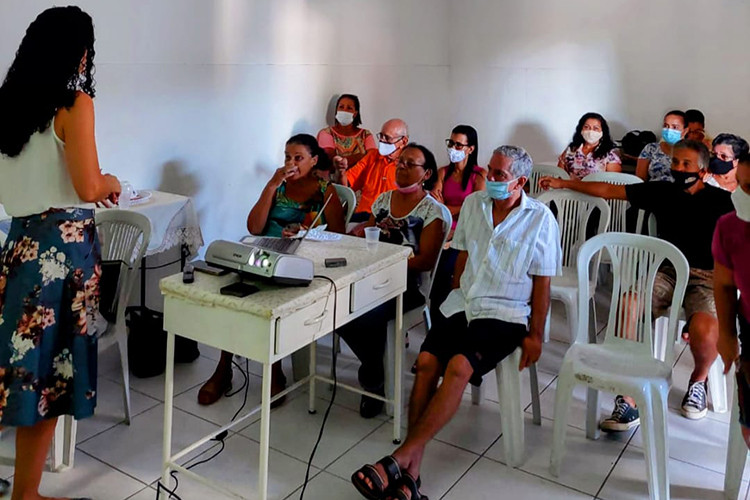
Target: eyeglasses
[[724, 157], [409, 164], [388, 140], [457, 145]]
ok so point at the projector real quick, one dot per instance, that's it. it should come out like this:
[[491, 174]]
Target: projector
[[257, 262]]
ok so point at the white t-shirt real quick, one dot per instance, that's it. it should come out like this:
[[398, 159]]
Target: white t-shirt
[[38, 178]]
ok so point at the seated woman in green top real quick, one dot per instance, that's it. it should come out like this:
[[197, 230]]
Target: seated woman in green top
[[290, 200]]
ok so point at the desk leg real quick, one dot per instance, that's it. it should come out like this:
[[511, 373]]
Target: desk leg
[[265, 430], [313, 371], [399, 375], [168, 402]]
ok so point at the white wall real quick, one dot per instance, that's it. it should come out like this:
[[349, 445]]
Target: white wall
[[198, 96]]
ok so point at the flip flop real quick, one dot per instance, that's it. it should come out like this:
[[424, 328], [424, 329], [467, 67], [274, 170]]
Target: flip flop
[[413, 486], [378, 488]]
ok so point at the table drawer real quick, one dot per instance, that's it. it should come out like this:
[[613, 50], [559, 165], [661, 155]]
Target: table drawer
[[379, 285], [300, 328]]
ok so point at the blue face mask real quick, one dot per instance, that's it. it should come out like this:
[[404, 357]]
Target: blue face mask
[[671, 136], [499, 190]]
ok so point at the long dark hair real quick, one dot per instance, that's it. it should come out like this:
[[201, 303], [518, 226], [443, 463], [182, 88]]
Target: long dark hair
[[311, 143], [44, 76], [472, 140], [429, 164], [357, 119], [606, 144]]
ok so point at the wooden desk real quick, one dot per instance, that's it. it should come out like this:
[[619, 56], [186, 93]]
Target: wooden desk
[[277, 321]]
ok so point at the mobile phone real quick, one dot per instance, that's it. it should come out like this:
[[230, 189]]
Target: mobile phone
[[238, 289], [335, 262], [202, 266]]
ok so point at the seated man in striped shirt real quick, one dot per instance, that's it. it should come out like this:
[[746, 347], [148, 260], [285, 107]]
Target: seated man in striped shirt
[[509, 248]]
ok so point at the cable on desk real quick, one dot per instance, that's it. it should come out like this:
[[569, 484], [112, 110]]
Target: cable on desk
[[334, 355]]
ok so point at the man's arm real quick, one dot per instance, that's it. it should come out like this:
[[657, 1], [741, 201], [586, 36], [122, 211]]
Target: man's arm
[[353, 176], [458, 270], [599, 189], [532, 343]]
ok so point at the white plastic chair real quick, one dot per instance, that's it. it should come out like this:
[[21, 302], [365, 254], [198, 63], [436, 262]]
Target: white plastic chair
[[621, 364], [539, 171], [736, 457], [415, 316], [124, 236], [717, 381], [348, 199], [618, 220], [573, 214]]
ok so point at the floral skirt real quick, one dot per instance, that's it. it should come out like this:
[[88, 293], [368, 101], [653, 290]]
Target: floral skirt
[[49, 291]]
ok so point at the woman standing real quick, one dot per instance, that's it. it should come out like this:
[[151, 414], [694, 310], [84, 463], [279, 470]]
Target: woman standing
[[49, 265], [655, 161], [591, 150], [346, 139]]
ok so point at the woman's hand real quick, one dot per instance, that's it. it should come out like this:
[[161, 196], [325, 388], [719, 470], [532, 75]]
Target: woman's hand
[[291, 230], [548, 182], [114, 189], [282, 174], [437, 193]]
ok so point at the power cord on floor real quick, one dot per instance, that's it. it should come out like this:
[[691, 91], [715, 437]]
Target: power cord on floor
[[218, 438], [246, 385], [334, 355]]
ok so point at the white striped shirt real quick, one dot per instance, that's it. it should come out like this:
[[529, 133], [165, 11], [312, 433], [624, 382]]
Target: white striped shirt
[[497, 280]]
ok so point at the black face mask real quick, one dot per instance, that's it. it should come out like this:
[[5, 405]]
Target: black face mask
[[685, 180], [720, 167]]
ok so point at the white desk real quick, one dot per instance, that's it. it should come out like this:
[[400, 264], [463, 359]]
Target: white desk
[[278, 321]]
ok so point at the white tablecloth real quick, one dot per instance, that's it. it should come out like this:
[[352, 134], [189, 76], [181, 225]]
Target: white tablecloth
[[173, 222]]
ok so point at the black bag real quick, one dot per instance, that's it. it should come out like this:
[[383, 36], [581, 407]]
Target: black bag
[[109, 288], [635, 140], [147, 343]]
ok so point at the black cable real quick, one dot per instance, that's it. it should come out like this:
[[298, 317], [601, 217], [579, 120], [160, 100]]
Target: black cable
[[163, 265], [219, 437], [334, 355]]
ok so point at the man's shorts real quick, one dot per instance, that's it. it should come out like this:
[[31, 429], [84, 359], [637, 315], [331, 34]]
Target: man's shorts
[[483, 342], [743, 374], [699, 294]]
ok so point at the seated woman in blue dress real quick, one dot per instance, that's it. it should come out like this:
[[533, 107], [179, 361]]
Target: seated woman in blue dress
[[291, 199]]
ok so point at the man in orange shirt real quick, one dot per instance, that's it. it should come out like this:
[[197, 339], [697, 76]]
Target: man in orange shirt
[[375, 174]]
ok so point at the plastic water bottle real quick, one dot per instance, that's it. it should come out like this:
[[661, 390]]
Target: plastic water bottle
[[126, 195]]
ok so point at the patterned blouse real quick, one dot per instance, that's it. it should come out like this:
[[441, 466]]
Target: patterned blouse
[[661, 163], [286, 211], [347, 145], [579, 165]]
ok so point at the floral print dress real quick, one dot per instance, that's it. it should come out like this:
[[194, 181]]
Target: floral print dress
[[49, 293]]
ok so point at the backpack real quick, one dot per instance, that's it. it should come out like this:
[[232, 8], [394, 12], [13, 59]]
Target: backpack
[[635, 140]]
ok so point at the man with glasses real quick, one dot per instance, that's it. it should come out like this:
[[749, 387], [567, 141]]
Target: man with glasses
[[375, 174], [509, 248]]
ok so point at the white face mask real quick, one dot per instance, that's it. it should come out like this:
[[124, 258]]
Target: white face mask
[[386, 149], [456, 156], [711, 181], [741, 202], [591, 136], [344, 117]]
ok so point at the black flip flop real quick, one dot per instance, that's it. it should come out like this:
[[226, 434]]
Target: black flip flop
[[379, 488], [413, 486]]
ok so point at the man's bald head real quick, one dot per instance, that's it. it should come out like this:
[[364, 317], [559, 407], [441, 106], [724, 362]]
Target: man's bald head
[[395, 127]]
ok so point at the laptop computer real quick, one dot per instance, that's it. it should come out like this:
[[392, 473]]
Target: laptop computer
[[287, 245]]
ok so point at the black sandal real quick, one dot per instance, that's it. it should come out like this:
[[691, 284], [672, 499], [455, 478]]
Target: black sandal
[[413, 486], [378, 488]]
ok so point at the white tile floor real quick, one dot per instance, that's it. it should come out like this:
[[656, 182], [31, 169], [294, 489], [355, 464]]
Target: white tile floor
[[115, 461]]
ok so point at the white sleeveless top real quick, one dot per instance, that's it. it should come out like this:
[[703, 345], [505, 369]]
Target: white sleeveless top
[[37, 179]]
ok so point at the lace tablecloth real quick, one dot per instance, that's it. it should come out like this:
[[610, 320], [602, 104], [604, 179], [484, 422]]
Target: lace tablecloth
[[174, 222]]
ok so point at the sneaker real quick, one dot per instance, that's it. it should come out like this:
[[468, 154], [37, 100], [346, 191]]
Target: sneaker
[[623, 418], [694, 404]]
